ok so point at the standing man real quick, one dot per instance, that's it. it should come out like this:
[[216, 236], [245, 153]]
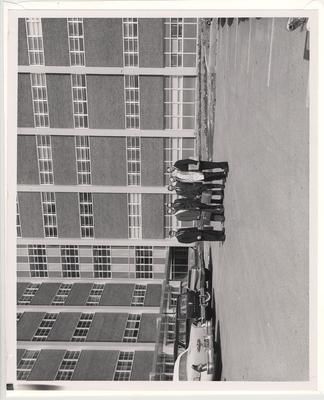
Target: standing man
[[196, 215], [198, 176], [193, 204], [189, 235], [189, 164], [195, 190]]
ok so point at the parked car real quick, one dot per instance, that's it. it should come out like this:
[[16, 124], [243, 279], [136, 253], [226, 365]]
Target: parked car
[[197, 362], [193, 306]]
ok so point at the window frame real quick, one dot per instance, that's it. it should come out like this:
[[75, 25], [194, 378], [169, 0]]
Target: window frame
[[132, 101], [34, 37], [76, 56], [80, 101], [38, 85], [49, 214]]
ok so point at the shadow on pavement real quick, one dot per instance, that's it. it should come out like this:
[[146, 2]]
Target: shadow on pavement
[[217, 344], [230, 21], [218, 348]]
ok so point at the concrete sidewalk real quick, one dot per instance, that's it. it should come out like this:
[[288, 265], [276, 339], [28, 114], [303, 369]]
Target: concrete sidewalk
[[261, 127]]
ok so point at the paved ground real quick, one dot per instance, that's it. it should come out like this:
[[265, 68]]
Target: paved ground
[[260, 275]]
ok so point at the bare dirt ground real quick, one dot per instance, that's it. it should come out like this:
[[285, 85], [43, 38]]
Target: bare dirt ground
[[257, 87]]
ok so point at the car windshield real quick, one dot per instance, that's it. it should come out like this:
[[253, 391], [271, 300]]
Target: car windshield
[[183, 367]]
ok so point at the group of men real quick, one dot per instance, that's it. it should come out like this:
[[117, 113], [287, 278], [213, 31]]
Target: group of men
[[188, 179]]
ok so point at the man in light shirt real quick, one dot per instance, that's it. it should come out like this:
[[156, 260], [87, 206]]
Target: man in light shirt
[[197, 176], [196, 215], [189, 164]]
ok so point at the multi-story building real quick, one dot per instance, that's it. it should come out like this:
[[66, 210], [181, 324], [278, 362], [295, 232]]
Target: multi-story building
[[104, 105]]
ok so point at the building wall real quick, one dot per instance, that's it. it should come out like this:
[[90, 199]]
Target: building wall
[[95, 365], [68, 222], [108, 160], [142, 365], [46, 365], [27, 167], [21, 286], [151, 102], [45, 294], [148, 328], [152, 206], [30, 214], [122, 262], [25, 105], [79, 294], [153, 296], [103, 42], [117, 294], [64, 161], [28, 324], [55, 39], [107, 327], [59, 100], [150, 34], [64, 327], [92, 365], [22, 43], [152, 161], [106, 101], [110, 215]]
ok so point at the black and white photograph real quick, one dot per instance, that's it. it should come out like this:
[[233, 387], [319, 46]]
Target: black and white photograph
[[161, 168]]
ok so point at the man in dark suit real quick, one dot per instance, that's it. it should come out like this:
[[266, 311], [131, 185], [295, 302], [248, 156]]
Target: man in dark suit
[[189, 235], [195, 215], [195, 190], [187, 163], [193, 204]]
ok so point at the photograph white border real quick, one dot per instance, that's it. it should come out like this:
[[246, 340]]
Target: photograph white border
[[8, 238]]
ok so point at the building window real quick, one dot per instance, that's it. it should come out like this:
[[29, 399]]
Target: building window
[[138, 295], [62, 294], [134, 216], [18, 223], [180, 41], [19, 315], [45, 161], [70, 261], [37, 261], [35, 41], [132, 328], [132, 102], [133, 151], [29, 293], [130, 39], [26, 364], [39, 96], [79, 99], [86, 215], [173, 42], [82, 329], [95, 294], [144, 262], [76, 41], [45, 327], [82, 150], [49, 214], [67, 366], [124, 366], [179, 102], [101, 261]]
